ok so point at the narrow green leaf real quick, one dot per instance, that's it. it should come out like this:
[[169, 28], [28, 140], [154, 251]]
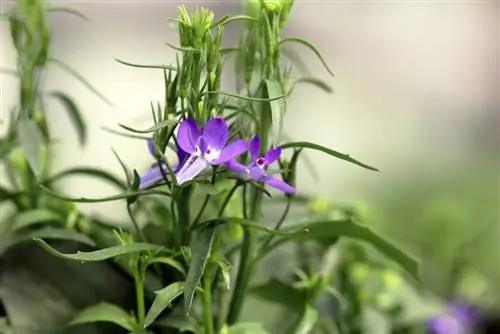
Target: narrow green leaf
[[201, 246], [313, 81], [158, 126], [280, 292], [250, 224], [209, 188], [169, 262], [228, 19], [105, 199], [31, 140], [246, 98], [102, 254], [33, 217], [248, 328], [82, 80], [277, 108], [347, 228], [161, 67], [312, 146], [122, 134], [104, 312], [69, 10], [73, 113], [225, 268], [163, 299], [4, 326], [311, 47], [88, 171]]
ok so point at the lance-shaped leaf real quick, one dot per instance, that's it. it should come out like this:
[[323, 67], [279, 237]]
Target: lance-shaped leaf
[[74, 115], [311, 47], [34, 217], [88, 171], [306, 322], [201, 246], [31, 141], [104, 312], [102, 254], [280, 292], [163, 299], [312, 146], [347, 228], [277, 108]]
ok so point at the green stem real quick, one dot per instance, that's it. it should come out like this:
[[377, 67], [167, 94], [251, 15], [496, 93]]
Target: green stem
[[279, 223], [227, 199], [136, 225], [139, 293], [208, 319], [202, 209]]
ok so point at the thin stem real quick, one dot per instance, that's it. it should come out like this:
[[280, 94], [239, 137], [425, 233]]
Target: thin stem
[[139, 292], [279, 223], [202, 209], [208, 319], [227, 199], [134, 221]]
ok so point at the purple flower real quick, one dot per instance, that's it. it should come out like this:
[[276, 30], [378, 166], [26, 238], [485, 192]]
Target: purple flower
[[154, 173], [460, 318], [207, 147], [256, 169]]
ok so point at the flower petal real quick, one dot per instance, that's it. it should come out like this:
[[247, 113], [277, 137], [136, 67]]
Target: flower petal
[[254, 148], [151, 147], [272, 155], [280, 185], [445, 325], [234, 166], [258, 174], [182, 156], [188, 135], [231, 151], [152, 176], [216, 133], [191, 168]]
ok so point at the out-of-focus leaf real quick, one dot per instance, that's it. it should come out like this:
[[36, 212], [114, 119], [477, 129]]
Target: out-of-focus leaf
[[277, 108], [4, 326], [313, 81], [279, 292], [345, 157], [181, 322], [69, 10], [200, 246], [311, 47], [347, 228], [225, 268], [102, 254], [41, 293], [248, 328], [88, 171], [306, 322], [73, 113], [157, 127], [104, 312], [208, 188], [34, 217], [163, 299], [31, 140], [169, 262]]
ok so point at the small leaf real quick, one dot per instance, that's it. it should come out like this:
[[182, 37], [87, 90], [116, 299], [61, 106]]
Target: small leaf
[[158, 126], [208, 188], [225, 268], [277, 108], [163, 299], [161, 67], [102, 254], [105, 199], [74, 115], [31, 141], [312, 146], [33, 217], [347, 228], [103, 312], [248, 328], [279, 292], [170, 262], [313, 81], [88, 171], [201, 246], [311, 47]]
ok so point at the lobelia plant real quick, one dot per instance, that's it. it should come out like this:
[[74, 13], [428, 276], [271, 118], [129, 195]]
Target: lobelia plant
[[198, 217]]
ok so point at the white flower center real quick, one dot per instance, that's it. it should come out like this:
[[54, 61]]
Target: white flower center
[[211, 154]]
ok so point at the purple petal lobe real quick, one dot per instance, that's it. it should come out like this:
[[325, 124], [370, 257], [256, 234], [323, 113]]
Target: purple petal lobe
[[151, 147], [272, 155], [280, 185], [254, 148], [182, 156], [188, 135], [464, 311], [191, 168], [446, 325], [216, 133], [236, 167], [231, 151], [152, 176], [258, 174]]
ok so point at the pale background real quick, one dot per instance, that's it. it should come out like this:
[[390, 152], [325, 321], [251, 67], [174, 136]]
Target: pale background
[[416, 88]]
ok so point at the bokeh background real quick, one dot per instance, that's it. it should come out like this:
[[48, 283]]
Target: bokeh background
[[416, 94]]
